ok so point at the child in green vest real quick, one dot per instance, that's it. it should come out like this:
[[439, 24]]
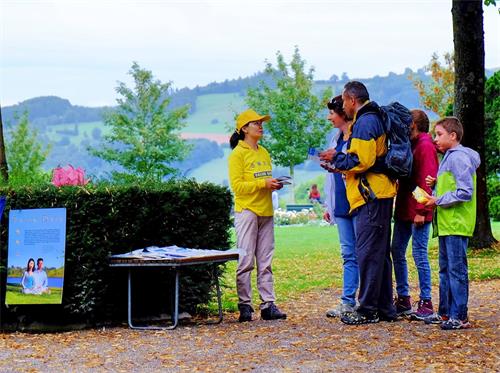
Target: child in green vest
[[455, 201]]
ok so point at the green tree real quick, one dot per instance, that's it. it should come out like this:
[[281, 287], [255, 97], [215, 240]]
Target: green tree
[[4, 171], [25, 154], [144, 136], [492, 118], [296, 121], [437, 93]]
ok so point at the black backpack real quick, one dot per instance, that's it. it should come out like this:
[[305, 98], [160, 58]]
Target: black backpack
[[399, 157]]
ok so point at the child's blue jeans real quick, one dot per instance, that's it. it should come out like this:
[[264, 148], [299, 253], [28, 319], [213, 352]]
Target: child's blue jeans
[[453, 276], [420, 237]]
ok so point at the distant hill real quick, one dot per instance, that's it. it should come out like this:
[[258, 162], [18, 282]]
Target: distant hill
[[50, 110]]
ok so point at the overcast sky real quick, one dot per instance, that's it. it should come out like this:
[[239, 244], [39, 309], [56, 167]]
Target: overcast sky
[[80, 49]]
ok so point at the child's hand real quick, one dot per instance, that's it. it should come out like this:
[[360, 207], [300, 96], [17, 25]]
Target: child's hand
[[431, 202], [419, 220], [430, 181]]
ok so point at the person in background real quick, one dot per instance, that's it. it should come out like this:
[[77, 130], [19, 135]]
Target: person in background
[[413, 219], [337, 211], [455, 201], [314, 195], [250, 175], [28, 280]]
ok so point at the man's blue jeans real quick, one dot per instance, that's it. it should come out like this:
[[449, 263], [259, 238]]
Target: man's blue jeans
[[453, 277], [420, 238], [347, 238]]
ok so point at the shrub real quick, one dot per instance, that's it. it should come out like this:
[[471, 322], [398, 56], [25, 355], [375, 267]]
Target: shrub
[[493, 188], [305, 216], [104, 220], [494, 207]]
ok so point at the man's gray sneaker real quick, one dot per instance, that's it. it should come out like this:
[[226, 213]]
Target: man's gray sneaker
[[340, 310], [435, 318]]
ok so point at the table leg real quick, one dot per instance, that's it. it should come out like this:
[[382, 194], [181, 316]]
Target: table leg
[[219, 300], [219, 297], [175, 311]]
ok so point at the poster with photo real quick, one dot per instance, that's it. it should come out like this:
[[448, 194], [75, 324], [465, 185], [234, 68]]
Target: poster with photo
[[35, 261]]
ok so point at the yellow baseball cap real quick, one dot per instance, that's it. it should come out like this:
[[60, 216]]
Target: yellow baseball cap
[[249, 116]]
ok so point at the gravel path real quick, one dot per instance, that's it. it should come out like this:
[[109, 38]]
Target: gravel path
[[306, 342]]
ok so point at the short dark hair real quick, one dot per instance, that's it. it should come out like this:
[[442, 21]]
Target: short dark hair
[[39, 260], [452, 124], [357, 90], [336, 105], [420, 119]]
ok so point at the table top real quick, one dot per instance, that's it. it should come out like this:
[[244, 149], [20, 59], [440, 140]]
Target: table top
[[171, 256]]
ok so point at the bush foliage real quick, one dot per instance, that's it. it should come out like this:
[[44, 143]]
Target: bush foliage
[[104, 220]]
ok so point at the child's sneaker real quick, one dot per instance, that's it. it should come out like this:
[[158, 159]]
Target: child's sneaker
[[403, 305], [424, 309], [454, 324], [436, 318]]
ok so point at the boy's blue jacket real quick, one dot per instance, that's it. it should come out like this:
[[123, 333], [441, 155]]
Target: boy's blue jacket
[[456, 192]]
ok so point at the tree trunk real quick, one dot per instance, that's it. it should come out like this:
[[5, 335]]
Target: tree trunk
[[4, 173], [468, 39], [292, 186]]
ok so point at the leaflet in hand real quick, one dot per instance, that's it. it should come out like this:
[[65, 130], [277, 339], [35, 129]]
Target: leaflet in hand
[[284, 180], [328, 166], [420, 195], [313, 154]]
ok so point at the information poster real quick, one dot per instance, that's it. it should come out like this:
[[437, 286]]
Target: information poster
[[35, 262]]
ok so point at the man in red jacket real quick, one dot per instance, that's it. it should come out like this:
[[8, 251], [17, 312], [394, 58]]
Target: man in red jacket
[[413, 219]]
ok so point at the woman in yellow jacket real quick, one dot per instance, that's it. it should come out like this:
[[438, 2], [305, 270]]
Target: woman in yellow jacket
[[250, 175]]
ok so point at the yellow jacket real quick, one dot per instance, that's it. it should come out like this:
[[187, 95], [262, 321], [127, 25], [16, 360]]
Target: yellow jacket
[[366, 144], [248, 170]]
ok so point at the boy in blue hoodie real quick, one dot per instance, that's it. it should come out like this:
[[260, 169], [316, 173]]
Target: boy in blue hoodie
[[455, 201]]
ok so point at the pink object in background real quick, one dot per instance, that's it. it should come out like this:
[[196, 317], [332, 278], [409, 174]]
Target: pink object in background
[[68, 176]]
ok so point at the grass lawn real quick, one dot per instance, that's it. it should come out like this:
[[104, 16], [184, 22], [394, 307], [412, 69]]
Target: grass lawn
[[14, 296], [308, 258]]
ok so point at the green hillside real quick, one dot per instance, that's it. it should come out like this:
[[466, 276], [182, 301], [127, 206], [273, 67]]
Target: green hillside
[[214, 112]]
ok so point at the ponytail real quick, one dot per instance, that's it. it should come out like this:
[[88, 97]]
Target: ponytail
[[235, 138]]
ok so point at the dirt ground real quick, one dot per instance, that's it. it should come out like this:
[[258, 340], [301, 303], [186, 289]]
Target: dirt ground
[[306, 342]]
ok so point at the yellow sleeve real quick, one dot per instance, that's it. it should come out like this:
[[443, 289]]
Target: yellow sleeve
[[365, 152], [236, 177]]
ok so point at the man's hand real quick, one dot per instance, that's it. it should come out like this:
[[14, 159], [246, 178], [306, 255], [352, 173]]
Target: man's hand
[[419, 220], [329, 167], [327, 155], [326, 216]]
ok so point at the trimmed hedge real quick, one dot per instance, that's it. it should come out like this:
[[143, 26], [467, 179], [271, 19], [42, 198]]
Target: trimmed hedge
[[105, 220]]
